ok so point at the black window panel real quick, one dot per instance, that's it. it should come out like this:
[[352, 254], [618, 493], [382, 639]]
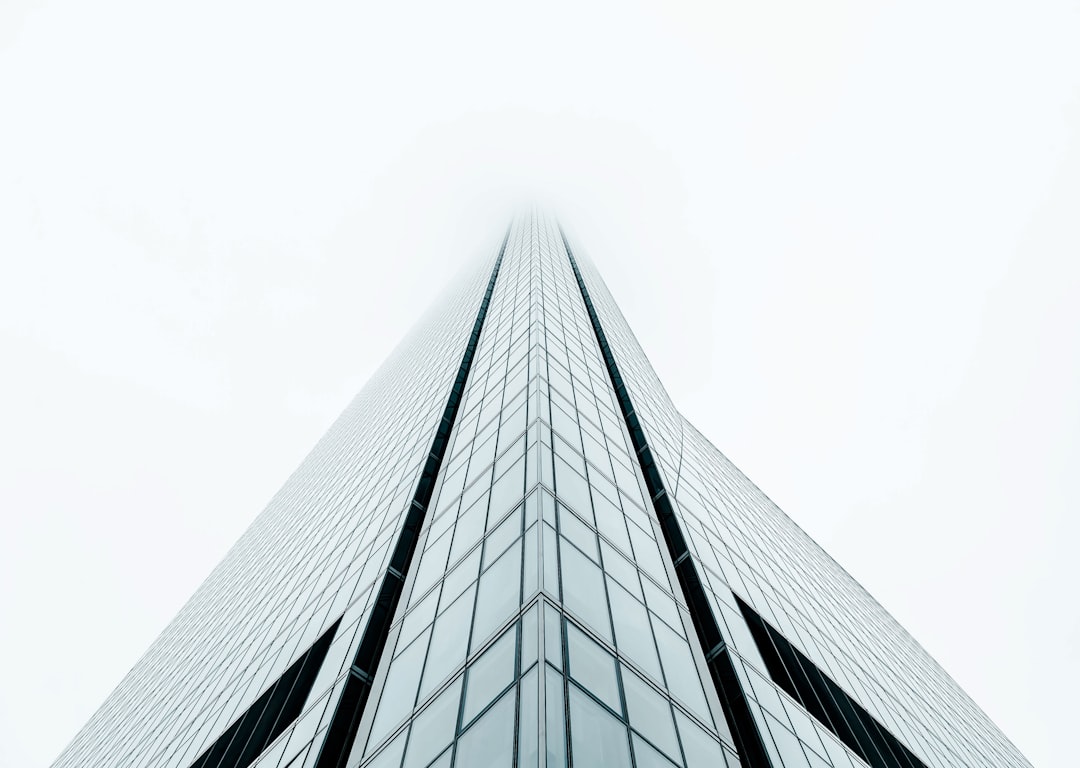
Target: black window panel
[[274, 711], [728, 688], [824, 699], [350, 709]]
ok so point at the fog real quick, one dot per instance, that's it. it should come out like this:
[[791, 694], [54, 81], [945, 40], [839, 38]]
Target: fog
[[845, 234]]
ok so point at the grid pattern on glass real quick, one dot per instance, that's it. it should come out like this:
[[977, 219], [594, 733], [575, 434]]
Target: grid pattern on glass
[[271, 713], [538, 418], [471, 717], [742, 543], [561, 694], [727, 685], [310, 558], [467, 579], [610, 711], [342, 730], [825, 700], [542, 604]]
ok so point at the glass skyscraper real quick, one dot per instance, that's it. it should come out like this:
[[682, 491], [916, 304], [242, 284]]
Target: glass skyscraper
[[512, 550]]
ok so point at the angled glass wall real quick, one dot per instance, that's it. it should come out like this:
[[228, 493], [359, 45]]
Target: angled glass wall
[[746, 550], [541, 605], [313, 557], [512, 550]]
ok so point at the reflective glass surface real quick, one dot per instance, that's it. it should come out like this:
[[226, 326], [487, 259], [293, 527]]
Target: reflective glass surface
[[543, 619]]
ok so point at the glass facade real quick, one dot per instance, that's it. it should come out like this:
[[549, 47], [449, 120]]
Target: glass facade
[[512, 550]]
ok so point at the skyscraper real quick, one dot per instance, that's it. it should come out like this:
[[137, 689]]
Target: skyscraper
[[512, 550]]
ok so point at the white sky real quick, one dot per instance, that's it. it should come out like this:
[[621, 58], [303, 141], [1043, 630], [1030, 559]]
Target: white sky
[[846, 234]]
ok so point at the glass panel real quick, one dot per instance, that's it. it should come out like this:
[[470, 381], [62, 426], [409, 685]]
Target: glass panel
[[419, 618], [297, 760], [470, 528], [767, 695], [650, 713], [389, 757], [270, 758], [547, 471], [701, 749], [633, 633], [587, 598], [662, 604], [567, 454], [532, 505], [490, 741], [547, 508], [680, 671], [451, 634], [646, 554], [307, 725], [594, 451], [434, 728], [601, 485], [785, 740], [578, 533], [513, 453], [551, 561], [562, 423], [529, 637], [531, 571], [499, 594], [803, 726], [444, 759], [479, 466], [622, 570], [555, 719], [611, 523], [571, 487], [461, 577], [399, 692], [432, 564], [499, 539], [553, 636], [528, 740], [597, 738], [490, 674], [508, 489], [647, 757], [837, 752], [593, 667]]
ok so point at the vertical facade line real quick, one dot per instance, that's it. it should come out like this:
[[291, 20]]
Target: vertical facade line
[[733, 701], [511, 549], [342, 731]]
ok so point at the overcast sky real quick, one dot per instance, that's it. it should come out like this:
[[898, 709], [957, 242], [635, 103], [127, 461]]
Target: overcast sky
[[847, 235]]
